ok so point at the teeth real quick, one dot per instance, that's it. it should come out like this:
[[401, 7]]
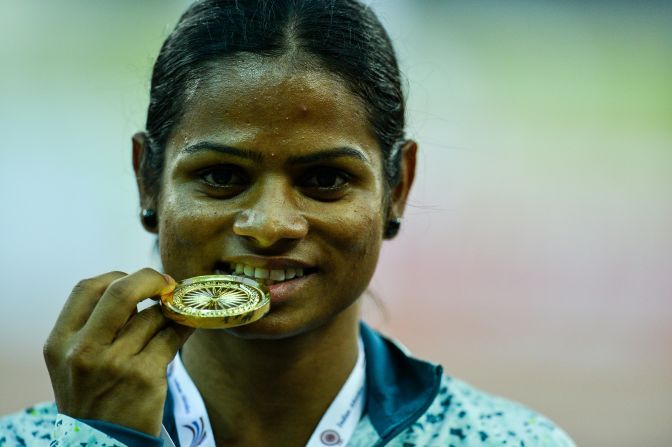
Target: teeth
[[262, 273]]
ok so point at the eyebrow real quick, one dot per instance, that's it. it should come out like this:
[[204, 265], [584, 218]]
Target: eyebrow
[[203, 146], [328, 154], [321, 155]]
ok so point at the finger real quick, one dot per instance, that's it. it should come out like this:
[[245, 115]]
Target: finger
[[120, 300], [167, 342], [140, 329], [82, 300]]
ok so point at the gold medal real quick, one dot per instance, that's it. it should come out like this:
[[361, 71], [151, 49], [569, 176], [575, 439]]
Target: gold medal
[[216, 302]]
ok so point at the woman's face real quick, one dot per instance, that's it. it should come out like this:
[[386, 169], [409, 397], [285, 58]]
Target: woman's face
[[274, 171]]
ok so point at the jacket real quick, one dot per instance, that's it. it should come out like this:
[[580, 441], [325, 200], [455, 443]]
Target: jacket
[[410, 403]]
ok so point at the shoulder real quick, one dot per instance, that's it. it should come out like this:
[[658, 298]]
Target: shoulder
[[30, 427], [463, 415]]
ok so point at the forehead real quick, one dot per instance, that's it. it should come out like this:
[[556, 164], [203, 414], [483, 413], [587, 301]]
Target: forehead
[[256, 102]]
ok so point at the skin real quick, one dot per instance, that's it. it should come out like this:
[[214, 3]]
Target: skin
[[216, 207], [107, 361]]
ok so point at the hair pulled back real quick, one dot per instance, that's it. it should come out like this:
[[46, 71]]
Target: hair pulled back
[[344, 36]]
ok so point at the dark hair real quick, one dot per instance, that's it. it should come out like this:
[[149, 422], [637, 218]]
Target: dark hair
[[344, 36]]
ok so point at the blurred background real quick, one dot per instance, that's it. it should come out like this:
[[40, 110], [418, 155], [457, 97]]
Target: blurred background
[[535, 260]]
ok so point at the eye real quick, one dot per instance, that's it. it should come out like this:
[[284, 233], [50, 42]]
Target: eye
[[325, 181], [325, 178], [223, 176]]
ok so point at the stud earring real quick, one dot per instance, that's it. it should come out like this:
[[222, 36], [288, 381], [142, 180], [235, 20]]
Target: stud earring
[[148, 217], [392, 227]]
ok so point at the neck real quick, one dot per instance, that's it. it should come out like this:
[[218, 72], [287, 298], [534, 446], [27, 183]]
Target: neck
[[271, 392]]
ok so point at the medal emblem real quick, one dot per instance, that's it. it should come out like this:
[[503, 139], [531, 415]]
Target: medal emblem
[[216, 302]]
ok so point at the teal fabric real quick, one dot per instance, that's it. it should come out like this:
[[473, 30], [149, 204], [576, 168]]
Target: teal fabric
[[461, 416], [399, 387], [42, 426], [127, 436]]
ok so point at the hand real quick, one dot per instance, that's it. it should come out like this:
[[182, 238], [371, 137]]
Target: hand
[[106, 360]]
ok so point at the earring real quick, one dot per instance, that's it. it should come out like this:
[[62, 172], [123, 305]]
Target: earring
[[148, 217], [392, 227]]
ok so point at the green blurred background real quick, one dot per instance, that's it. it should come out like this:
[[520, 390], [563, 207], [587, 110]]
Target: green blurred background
[[535, 260]]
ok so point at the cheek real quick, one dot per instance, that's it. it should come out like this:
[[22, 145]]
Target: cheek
[[358, 237], [186, 233]]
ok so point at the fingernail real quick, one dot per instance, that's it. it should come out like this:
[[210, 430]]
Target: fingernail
[[169, 279]]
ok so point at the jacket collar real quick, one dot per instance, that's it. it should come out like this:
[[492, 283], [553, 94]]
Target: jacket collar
[[400, 388]]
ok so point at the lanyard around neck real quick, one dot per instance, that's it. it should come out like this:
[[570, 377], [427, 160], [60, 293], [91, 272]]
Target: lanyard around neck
[[335, 428]]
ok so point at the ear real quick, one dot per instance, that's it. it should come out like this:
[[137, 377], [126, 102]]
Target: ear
[[147, 201], [407, 174]]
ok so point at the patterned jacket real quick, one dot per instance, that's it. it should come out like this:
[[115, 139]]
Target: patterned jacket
[[409, 403]]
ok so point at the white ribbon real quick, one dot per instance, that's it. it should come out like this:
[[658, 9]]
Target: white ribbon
[[340, 420], [191, 418], [334, 429]]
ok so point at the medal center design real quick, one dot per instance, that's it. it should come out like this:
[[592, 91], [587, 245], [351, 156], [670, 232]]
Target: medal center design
[[215, 298]]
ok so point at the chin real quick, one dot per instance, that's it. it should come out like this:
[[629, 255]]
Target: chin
[[283, 322], [267, 328]]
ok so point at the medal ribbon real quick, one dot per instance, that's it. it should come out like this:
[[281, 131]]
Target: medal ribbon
[[340, 420], [335, 428], [191, 418]]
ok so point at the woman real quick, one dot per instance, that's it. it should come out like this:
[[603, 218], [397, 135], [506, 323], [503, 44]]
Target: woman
[[274, 147]]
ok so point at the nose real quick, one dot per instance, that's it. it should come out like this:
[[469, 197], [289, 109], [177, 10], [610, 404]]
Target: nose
[[272, 219]]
